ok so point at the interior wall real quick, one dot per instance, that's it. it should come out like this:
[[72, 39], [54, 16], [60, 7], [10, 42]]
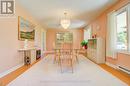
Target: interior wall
[[51, 37], [9, 44], [99, 26]]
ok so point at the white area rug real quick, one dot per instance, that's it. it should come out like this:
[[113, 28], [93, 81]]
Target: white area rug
[[46, 73]]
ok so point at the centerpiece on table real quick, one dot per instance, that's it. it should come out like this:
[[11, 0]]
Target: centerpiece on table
[[84, 44]]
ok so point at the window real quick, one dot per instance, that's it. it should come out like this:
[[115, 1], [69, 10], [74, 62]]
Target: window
[[118, 31], [122, 33]]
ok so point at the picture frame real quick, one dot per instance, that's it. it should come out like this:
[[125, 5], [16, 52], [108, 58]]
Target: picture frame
[[26, 29]]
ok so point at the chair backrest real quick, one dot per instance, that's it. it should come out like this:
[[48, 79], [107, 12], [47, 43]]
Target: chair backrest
[[66, 48]]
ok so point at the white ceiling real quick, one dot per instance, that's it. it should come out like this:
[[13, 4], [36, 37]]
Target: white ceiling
[[49, 12]]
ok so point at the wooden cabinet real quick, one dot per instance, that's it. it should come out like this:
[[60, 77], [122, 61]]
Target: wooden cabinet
[[96, 50]]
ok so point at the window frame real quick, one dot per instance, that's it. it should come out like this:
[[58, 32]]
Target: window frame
[[118, 12]]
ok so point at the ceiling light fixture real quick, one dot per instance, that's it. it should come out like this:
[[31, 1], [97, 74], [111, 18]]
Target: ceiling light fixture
[[65, 23]]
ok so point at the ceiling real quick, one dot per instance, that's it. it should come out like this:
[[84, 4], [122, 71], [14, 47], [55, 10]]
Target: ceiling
[[50, 12]]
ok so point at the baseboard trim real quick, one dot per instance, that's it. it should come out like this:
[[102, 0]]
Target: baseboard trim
[[128, 72], [10, 70], [112, 65]]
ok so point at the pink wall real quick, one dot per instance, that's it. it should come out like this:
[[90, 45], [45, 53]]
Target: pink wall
[[101, 21], [51, 36], [9, 43], [124, 60]]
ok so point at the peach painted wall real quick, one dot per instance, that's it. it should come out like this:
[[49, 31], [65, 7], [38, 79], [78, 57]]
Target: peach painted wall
[[51, 36], [123, 60], [9, 43], [101, 22]]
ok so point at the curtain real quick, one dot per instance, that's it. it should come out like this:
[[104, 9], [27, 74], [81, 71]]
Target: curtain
[[111, 36], [129, 27]]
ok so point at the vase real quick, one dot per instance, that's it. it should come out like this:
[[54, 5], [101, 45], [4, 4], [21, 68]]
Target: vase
[[85, 47]]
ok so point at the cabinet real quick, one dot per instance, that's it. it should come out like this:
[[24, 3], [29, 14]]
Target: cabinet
[[96, 50], [29, 55]]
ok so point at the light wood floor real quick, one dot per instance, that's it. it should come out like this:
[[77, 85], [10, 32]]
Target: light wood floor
[[119, 74], [8, 78]]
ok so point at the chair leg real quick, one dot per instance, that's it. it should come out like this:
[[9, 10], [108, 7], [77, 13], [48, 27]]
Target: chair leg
[[77, 59], [71, 61], [65, 61], [60, 63], [54, 59]]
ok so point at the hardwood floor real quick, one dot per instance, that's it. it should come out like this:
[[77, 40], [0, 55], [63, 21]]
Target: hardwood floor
[[8, 78], [119, 74]]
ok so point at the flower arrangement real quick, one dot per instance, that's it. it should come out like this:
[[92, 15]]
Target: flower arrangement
[[84, 44]]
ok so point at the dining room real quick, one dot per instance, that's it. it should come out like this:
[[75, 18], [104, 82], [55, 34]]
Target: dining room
[[64, 43]]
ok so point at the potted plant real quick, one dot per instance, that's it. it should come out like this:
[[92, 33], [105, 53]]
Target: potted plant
[[84, 44]]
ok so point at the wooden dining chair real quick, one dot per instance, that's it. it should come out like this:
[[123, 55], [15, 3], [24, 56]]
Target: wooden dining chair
[[66, 56], [75, 55], [56, 55]]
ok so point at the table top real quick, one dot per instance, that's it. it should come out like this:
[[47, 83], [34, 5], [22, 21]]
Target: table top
[[26, 49], [68, 49]]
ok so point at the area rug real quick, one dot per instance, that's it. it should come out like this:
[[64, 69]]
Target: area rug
[[86, 73]]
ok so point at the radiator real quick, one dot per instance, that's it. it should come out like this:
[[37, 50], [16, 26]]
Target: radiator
[[124, 69]]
